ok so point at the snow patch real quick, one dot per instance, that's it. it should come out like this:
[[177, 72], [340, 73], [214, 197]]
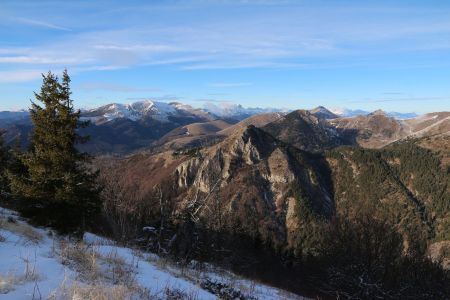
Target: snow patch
[[35, 270]]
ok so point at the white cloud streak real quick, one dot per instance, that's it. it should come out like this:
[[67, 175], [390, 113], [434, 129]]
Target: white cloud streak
[[284, 36], [19, 75], [40, 24]]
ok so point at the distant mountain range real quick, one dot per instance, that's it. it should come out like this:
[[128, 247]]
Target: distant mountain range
[[345, 112], [237, 111], [122, 128], [137, 111], [163, 111], [8, 117]]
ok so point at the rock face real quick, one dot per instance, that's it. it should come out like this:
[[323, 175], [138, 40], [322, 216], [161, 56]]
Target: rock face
[[247, 182]]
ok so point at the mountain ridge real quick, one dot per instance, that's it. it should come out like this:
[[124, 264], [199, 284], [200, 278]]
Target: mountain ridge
[[124, 128]]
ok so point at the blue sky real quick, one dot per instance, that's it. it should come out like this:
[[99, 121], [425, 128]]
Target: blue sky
[[393, 55]]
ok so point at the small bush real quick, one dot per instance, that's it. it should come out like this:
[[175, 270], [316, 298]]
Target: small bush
[[81, 258], [224, 291]]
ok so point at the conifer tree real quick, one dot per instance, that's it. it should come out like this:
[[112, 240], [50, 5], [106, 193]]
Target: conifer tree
[[57, 184], [4, 158]]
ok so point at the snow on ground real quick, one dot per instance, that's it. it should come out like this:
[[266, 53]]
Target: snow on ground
[[35, 263]]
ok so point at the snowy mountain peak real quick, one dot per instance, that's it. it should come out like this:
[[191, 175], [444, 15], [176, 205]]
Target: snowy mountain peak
[[139, 110], [324, 113], [236, 111], [378, 112], [345, 112], [141, 106]]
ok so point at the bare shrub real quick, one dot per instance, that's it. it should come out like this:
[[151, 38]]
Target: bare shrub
[[118, 270], [12, 279], [177, 294], [106, 276], [30, 272], [81, 258], [224, 291]]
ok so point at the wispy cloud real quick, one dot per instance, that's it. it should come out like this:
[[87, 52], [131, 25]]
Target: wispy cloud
[[287, 35], [115, 87], [404, 99], [49, 60], [19, 75], [39, 23], [212, 100], [163, 98], [242, 65]]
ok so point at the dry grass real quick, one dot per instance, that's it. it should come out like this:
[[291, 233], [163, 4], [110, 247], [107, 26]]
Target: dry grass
[[7, 283], [106, 276], [97, 292], [81, 258], [20, 228], [30, 273], [100, 290], [118, 271], [11, 279]]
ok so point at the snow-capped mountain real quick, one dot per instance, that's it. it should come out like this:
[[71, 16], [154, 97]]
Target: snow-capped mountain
[[323, 113], [402, 116], [236, 111], [346, 112], [159, 111]]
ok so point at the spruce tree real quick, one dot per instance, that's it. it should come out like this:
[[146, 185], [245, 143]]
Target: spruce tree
[[57, 185], [4, 160]]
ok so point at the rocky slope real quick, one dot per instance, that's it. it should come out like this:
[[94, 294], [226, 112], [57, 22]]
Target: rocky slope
[[253, 183], [252, 194], [378, 129], [305, 131], [258, 120], [192, 135], [270, 171]]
